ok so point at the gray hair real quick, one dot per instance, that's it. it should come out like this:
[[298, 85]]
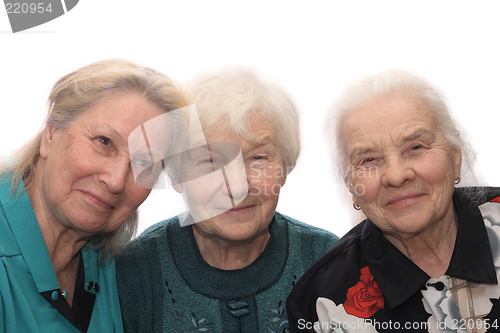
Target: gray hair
[[386, 84], [77, 92], [235, 94]]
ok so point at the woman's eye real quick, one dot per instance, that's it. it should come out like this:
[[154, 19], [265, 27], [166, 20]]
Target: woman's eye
[[416, 147], [104, 140], [368, 160], [145, 167], [207, 165], [143, 163], [258, 159]]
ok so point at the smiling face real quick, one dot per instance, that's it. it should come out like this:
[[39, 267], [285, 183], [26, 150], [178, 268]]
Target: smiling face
[[402, 167], [85, 181], [254, 196]]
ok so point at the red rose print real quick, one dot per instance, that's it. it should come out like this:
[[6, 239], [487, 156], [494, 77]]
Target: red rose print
[[365, 298]]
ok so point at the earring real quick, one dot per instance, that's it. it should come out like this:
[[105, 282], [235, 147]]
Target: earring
[[355, 205], [457, 180]]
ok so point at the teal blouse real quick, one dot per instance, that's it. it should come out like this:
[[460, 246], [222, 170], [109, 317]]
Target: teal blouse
[[26, 272]]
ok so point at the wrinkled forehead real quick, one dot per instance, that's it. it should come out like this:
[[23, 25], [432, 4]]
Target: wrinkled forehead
[[244, 126], [153, 136], [391, 118]]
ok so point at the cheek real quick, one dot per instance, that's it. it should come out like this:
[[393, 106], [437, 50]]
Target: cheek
[[437, 172], [136, 196], [266, 181], [203, 189], [365, 187], [270, 191]]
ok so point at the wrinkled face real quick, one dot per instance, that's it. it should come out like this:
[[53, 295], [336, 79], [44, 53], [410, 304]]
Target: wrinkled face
[[402, 167], [244, 209], [86, 182]]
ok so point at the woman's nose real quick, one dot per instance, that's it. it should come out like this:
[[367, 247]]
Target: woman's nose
[[396, 172], [235, 181], [114, 174]]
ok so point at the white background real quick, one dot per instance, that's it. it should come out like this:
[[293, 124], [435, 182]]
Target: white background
[[313, 48]]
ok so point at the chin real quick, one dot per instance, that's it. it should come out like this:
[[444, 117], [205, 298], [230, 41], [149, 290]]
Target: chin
[[412, 224], [243, 233], [89, 226]]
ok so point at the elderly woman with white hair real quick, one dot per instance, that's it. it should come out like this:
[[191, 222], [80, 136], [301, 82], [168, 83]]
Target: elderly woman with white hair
[[426, 257], [225, 268]]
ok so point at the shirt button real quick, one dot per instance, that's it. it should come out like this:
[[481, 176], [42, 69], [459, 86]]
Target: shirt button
[[93, 285], [55, 296]]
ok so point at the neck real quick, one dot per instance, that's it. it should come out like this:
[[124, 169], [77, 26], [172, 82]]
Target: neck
[[431, 249], [227, 254]]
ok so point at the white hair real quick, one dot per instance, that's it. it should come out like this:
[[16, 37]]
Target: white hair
[[394, 83], [236, 94]]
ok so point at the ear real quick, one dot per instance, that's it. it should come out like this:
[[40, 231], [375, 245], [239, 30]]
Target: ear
[[348, 184], [47, 140], [176, 185], [458, 161]]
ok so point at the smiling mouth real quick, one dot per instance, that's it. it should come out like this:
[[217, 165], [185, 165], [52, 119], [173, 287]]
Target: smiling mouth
[[98, 201], [242, 209], [404, 201]]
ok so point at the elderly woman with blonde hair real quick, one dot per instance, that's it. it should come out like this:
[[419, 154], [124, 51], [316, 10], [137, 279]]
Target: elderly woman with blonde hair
[[426, 257], [68, 199], [228, 264]]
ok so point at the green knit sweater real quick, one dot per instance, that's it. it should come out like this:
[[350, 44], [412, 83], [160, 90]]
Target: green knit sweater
[[165, 285]]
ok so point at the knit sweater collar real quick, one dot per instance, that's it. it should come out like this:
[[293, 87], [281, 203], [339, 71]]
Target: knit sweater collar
[[229, 284]]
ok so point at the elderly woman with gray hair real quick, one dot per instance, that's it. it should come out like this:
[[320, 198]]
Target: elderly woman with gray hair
[[427, 256], [229, 264], [68, 199]]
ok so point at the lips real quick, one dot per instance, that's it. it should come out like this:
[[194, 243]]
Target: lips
[[241, 209], [99, 201], [404, 200]]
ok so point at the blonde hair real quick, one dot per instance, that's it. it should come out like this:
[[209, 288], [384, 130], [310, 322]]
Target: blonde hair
[[75, 93]]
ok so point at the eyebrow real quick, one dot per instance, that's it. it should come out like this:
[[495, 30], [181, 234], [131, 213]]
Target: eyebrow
[[262, 142], [418, 134], [358, 152], [422, 132], [114, 131]]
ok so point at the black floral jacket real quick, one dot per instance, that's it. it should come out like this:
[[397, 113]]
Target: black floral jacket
[[364, 283]]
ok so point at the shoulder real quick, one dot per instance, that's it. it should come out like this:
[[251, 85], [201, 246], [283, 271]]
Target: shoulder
[[335, 259], [306, 241], [155, 231], [490, 207], [8, 243], [492, 194], [340, 263], [306, 230], [145, 245], [476, 195], [487, 199], [348, 243]]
